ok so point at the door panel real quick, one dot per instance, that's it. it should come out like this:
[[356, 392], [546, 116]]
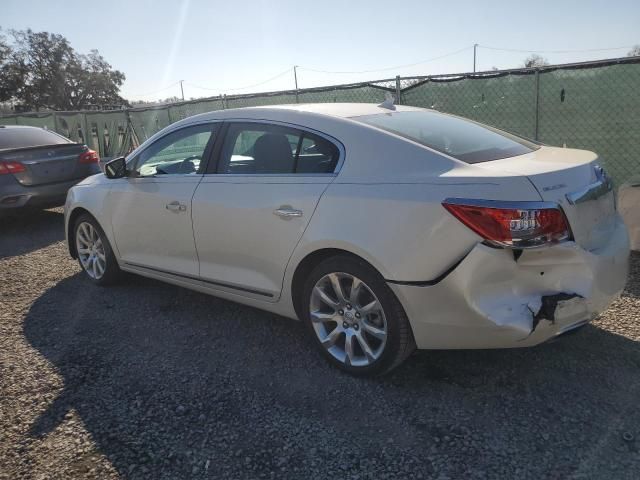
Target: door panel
[[242, 242], [151, 221], [151, 208]]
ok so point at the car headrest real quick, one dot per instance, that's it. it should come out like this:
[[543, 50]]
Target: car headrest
[[272, 153]]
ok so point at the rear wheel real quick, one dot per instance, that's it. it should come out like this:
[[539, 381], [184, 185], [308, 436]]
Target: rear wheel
[[355, 318], [94, 251]]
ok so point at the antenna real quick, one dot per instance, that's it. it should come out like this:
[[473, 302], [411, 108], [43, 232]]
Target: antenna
[[388, 102]]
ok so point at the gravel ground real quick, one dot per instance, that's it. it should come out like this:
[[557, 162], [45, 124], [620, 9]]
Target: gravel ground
[[147, 380]]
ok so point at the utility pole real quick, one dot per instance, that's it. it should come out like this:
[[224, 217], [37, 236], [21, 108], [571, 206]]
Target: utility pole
[[182, 89], [475, 47], [295, 78]]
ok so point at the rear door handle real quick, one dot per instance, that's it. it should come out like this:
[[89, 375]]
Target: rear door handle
[[287, 212], [176, 206]]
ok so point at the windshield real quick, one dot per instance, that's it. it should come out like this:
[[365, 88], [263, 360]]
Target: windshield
[[462, 139]]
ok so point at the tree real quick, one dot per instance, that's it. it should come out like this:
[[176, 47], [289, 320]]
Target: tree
[[634, 52], [91, 81], [42, 70], [5, 53], [535, 60]]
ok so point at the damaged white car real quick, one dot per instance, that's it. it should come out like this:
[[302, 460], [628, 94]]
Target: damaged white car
[[383, 228]]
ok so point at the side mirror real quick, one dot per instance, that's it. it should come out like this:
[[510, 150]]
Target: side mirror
[[116, 168]]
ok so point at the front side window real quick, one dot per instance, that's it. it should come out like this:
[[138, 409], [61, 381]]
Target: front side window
[[181, 152], [462, 139], [254, 148]]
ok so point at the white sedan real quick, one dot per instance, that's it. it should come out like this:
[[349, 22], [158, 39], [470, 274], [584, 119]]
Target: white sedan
[[383, 228]]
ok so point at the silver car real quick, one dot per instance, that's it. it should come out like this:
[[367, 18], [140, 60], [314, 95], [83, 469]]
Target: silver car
[[383, 228]]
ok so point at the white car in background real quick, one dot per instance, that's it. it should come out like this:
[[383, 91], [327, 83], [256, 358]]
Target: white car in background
[[383, 228]]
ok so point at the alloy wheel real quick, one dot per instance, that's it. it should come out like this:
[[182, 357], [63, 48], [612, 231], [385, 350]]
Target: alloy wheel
[[348, 319], [90, 250]]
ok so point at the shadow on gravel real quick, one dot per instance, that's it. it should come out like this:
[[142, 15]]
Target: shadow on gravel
[[30, 230], [175, 384], [633, 283]]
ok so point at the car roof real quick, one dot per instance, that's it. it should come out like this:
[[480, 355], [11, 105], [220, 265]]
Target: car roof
[[297, 111], [342, 110]]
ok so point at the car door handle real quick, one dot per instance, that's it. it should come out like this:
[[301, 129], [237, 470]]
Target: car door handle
[[176, 206], [287, 212]]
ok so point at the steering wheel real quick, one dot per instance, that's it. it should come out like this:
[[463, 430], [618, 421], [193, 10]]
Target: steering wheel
[[188, 160]]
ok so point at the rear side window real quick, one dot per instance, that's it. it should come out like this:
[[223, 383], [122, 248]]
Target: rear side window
[[256, 148], [22, 137], [462, 139]]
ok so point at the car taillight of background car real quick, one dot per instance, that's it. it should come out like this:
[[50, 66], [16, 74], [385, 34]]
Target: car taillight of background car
[[90, 156]]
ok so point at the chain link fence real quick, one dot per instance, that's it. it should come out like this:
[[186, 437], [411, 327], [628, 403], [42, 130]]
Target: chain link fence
[[592, 105]]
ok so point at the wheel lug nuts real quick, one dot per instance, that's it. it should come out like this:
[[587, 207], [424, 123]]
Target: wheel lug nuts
[[358, 315], [348, 306], [345, 325], [356, 326], [340, 312]]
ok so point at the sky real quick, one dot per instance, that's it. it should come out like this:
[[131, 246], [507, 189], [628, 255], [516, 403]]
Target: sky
[[227, 47]]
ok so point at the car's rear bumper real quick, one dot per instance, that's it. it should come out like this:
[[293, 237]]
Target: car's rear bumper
[[493, 300], [14, 195]]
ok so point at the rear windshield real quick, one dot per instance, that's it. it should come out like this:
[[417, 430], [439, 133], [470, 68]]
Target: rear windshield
[[28, 137], [462, 139]]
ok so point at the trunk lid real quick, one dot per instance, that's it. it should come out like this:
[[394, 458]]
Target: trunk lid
[[572, 179], [48, 164]]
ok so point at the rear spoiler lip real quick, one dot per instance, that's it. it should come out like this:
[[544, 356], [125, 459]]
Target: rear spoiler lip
[[40, 147]]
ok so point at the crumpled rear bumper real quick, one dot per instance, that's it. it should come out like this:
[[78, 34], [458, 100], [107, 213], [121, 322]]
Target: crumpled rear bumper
[[493, 300]]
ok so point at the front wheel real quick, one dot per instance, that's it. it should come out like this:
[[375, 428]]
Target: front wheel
[[94, 251], [355, 318]]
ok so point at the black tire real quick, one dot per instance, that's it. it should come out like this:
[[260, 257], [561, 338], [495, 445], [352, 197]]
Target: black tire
[[399, 341], [112, 271]]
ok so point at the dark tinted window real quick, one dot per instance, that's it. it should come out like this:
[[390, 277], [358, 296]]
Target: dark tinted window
[[255, 148], [28, 137], [316, 155], [462, 139]]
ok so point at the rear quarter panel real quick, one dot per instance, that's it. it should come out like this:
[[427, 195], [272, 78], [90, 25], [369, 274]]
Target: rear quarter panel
[[401, 228]]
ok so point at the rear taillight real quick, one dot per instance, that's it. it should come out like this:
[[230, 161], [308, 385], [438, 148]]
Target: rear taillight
[[90, 156], [512, 224], [11, 167]]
